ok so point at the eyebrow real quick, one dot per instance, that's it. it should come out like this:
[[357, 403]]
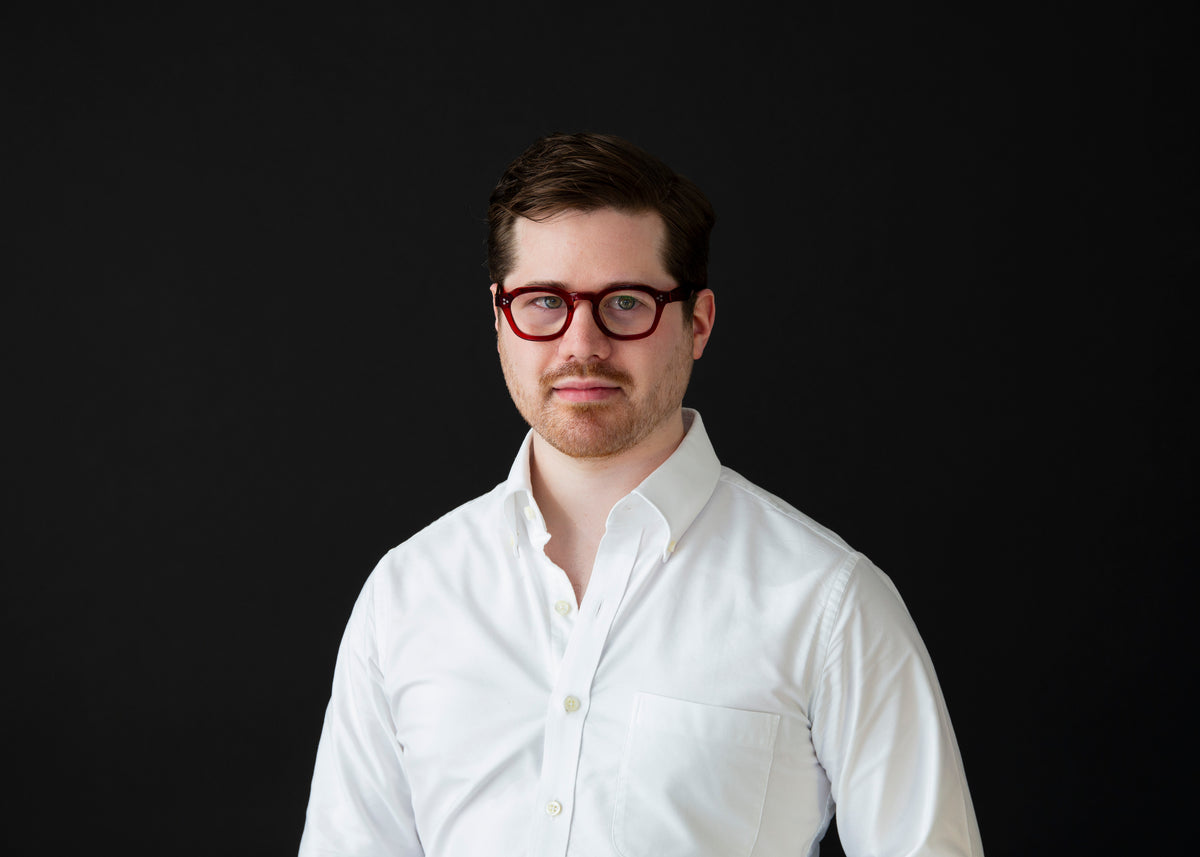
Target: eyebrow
[[556, 284]]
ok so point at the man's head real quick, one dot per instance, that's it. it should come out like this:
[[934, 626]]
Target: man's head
[[586, 172], [587, 227]]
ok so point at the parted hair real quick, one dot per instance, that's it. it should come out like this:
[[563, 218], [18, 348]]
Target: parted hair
[[585, 172]]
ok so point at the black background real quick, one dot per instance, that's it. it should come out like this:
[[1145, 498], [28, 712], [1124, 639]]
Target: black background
[[248, 348]]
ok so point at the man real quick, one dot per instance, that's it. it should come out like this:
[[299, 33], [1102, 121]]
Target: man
[[624, 648]]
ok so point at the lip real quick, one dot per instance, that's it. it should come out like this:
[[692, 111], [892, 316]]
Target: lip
[[583, 384], [585, 391]]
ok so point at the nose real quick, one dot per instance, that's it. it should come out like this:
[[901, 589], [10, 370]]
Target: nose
[[583, 341]]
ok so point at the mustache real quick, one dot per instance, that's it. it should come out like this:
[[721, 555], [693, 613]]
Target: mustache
[[598, 371]]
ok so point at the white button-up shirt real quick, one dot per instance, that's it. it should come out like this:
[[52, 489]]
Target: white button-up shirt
[[733, 672]]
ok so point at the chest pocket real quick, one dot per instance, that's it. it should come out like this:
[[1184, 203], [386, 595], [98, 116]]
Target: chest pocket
[[693, 779]]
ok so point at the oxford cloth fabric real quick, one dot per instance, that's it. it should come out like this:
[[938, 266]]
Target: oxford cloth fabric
[[733, 671]]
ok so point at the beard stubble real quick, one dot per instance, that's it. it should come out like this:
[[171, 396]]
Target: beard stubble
[[597, 430]]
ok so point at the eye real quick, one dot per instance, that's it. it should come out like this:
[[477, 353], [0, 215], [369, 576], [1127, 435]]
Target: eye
[[626, 302], [548, 302]]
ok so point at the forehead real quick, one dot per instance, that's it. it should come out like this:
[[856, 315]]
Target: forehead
[[589, 247]]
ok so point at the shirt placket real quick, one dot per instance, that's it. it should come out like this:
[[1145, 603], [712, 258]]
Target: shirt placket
[[570, 699]]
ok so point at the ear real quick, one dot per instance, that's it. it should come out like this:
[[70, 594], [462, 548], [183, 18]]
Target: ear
[[703, 317], [495, 309]]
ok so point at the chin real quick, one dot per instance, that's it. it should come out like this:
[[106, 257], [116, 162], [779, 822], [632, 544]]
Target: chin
[[592, 429]]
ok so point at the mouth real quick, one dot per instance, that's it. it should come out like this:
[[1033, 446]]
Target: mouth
[[589, 384], [582, 390]]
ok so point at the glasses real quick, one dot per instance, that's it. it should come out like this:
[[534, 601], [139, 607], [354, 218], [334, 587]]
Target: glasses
[[540, 313]]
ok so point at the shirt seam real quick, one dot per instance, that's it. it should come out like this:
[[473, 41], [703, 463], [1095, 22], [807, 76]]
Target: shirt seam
[[829, 616]]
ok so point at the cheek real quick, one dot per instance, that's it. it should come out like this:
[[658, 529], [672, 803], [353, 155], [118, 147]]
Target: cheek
[[520, 362]]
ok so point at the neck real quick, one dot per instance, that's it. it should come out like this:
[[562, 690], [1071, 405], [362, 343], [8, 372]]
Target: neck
[[576, 494]]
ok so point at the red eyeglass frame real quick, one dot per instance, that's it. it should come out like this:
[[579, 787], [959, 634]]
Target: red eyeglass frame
[[661, 299]]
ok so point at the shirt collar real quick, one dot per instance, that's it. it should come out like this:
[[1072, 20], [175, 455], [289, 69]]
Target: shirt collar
[[677, 490], [518, 492]]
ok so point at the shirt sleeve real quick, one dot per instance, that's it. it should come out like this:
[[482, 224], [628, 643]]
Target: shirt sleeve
[[882, 732], [360, 803]]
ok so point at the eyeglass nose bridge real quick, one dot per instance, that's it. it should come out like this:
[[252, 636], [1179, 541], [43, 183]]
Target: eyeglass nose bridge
[[593, 298]]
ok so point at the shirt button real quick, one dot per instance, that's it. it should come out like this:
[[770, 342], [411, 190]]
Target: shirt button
[[529, 513], [571, 703], [562, 608], [553, 808]]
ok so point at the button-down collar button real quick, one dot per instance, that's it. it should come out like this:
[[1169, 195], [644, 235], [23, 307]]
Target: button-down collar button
[[529, 513], [562, 608], [553, 808], [571, 703]]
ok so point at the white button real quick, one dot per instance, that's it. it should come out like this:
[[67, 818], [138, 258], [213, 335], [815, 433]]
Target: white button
[[529, 513], [671, 547], [571, 703], [562, 608], [553, 808]]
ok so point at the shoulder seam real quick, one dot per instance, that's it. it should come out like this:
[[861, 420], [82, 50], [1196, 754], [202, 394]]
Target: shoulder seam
[[829, 615]]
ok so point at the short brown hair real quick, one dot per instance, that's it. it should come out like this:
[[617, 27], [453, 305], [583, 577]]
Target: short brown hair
[[586, 172]]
